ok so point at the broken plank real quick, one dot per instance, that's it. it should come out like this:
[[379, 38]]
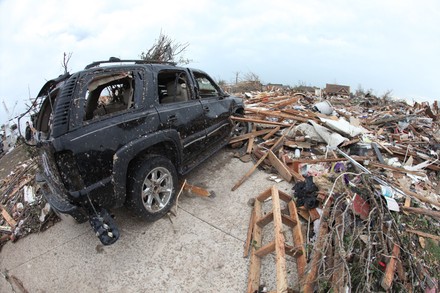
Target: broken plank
[[279, 242], [397, 169], [280, 167], [271, 133], [316, 161], [423, 234], [260, 121], [249, 234], [310, 278], [249, 135], [422, 211], [421, 197], [298, 240], [8, 217], [19, 187], [391, 269], [196, 190], [266, 249], [255, 261], [250, 145]]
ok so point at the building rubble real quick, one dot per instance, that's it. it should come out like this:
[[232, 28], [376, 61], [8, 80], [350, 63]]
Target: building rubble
[[364, 174], [23, 209]]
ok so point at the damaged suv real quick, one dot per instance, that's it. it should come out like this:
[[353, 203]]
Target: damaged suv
[[122, 131]]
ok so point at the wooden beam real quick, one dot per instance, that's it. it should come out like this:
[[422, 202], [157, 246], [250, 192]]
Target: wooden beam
[[271, 133], [8, 217], [196, 190], [421, 197], [422, 211], [255, 262], [249, 234], [266, 249], [280, 167], [423, 234], [249, 135], [279, 242], [260, 121], [312, 274], [387, 280], [265, 220], [298, 241], [250, 145]]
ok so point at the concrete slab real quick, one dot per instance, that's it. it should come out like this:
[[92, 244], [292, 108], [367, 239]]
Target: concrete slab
[[200, 250]]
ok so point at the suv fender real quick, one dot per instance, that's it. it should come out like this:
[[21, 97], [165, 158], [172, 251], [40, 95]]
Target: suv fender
[[136, 149]]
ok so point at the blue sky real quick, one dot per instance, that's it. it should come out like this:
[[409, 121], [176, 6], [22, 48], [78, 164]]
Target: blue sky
[[380, 45]]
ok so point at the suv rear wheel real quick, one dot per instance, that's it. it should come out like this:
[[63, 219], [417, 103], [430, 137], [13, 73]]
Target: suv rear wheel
[[152, 187]]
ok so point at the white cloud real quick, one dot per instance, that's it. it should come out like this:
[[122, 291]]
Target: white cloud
[[380, 44]]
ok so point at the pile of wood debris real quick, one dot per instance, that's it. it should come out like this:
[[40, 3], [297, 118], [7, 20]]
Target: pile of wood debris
[[22, 206], [364, 173]]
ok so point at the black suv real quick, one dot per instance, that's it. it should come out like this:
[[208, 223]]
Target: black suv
[[122, 131]]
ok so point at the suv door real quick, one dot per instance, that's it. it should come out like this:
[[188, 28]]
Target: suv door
[[216, 109], [109, 114], [180, 111]]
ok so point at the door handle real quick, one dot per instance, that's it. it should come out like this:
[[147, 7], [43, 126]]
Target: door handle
[[206, 109], [172, 118]]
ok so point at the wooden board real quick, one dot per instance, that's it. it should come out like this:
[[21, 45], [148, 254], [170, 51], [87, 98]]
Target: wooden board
[[280, 167]]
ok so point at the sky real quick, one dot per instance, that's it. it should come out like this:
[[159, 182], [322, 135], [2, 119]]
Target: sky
[[377, 44]]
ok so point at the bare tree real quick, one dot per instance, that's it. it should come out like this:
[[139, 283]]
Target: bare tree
[[250, 82], [166, 50], [66, 59]]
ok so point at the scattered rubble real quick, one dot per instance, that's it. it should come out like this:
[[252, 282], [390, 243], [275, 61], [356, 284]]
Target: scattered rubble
[[365, 175], [22, 206]]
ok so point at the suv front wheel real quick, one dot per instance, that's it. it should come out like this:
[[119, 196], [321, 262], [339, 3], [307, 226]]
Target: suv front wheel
[[152, 187]]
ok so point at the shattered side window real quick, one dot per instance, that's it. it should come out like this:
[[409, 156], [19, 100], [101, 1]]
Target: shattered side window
[[206, 87], [172, 87], [109, 94]]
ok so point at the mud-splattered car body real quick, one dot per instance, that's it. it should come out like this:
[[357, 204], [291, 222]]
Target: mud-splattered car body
[[96, 124]]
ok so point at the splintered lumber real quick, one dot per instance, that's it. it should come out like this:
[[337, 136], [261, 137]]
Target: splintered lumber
[[249, 173], [249, 135], [255, 263], [8, 217], [298, 240], [196, 190], [422, 211], [316, 161], [280, 167], [423, 234], [397, 169], [19, 187], [250, 145], [421, 197], [279, 242], [260, 121], [310, 279], [249, 234], [391, 269], [271, 133]]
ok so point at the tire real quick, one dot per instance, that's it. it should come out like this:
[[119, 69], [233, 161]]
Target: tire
[[152, 188], [239, 128]]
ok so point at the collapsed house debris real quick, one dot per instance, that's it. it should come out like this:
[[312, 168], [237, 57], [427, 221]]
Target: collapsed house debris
[[365, 183], [22, 206]]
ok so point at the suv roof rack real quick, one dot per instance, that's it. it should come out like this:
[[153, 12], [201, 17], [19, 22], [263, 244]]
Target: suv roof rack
[[117, 60]]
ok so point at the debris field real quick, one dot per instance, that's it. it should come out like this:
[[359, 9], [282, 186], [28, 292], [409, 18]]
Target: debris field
[[364, 174], [363, 214]]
